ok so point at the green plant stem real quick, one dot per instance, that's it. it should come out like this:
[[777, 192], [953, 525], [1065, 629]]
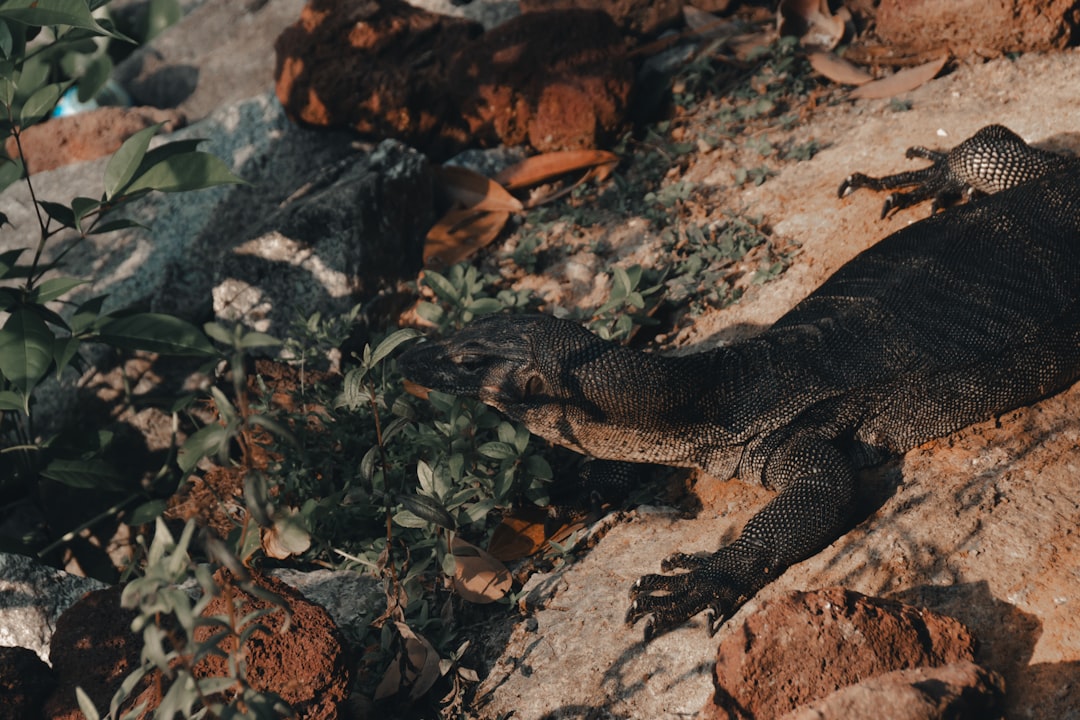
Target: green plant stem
[[70, 534]]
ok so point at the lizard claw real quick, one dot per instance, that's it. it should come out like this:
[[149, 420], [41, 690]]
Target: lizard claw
[[671, 600]]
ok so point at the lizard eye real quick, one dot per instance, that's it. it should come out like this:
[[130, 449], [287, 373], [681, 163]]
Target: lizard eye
[[535, 385]]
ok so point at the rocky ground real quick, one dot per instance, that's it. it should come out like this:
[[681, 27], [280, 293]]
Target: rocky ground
[[980, 526]]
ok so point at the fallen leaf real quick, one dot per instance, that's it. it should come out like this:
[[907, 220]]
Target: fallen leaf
[[705, 25], [902, 81], [285, 538], [460, 233], [469, 189], [547, 166], [838, 69], [812, 22], [478, 577], [420, 662], [415, 389], [518, 535]]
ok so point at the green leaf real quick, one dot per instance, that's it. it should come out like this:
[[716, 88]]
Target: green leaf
[[87, 315], [498, 450], [94, 78], [83, 206], [156, 332], [92, 474], [114, 225], [63, 351], [11, 400], [205, 442], [7, 42], [11, 171], [40, 104], [257, 339], [54, 288], [43, 13], [86, 705], [190, 171], [391, 342], [485, 306], [427, 508], [26, 349], [8, 260], [125, 161], [147, 512]]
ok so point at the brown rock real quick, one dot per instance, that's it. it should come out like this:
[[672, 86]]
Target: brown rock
[[25, 682], [87, 135], [640, 17], [958, 691], [804, 646], [380, 68], [93, 648], [975, 27], [306, 666], [559, 79]]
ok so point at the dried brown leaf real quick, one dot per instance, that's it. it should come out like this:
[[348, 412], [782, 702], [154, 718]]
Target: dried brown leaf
[[285, 538], [460, 233], [902, 81], [478, 577], [541, 168], [421, 665], [812, 22], [518, 535], [838, 69], [705, 25], [468, 189]]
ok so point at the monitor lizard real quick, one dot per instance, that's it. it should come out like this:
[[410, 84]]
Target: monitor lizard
[[954, 319]]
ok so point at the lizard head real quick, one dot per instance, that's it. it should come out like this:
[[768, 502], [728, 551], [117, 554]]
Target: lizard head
[[546, 372]]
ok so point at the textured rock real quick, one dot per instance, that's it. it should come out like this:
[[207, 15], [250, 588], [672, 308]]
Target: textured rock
[[975, 27], [353, 229], [640, 17], [560, 80], [380, 68], [25, 682], [87, 135], [806, 645], [32, 598], [219, 53], [94, 648], [306, 665], [958, 691]]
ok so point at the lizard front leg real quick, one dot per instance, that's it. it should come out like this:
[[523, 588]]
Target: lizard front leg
[[816, 490]]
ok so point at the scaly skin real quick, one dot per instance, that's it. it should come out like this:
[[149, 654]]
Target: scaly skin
[[954, 319]]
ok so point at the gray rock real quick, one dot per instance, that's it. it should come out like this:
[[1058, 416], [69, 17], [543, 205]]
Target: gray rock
[[32, 597], [219, 53], [352, 599], [345, 220]]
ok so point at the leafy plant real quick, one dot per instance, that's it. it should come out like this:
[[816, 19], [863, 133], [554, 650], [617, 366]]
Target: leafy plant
[[42, 330], [169, 621]]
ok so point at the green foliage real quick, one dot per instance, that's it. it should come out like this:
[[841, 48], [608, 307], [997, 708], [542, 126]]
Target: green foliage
[[463, 294], [168, 618], [704, 260], [43, 326], [628, 306]]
